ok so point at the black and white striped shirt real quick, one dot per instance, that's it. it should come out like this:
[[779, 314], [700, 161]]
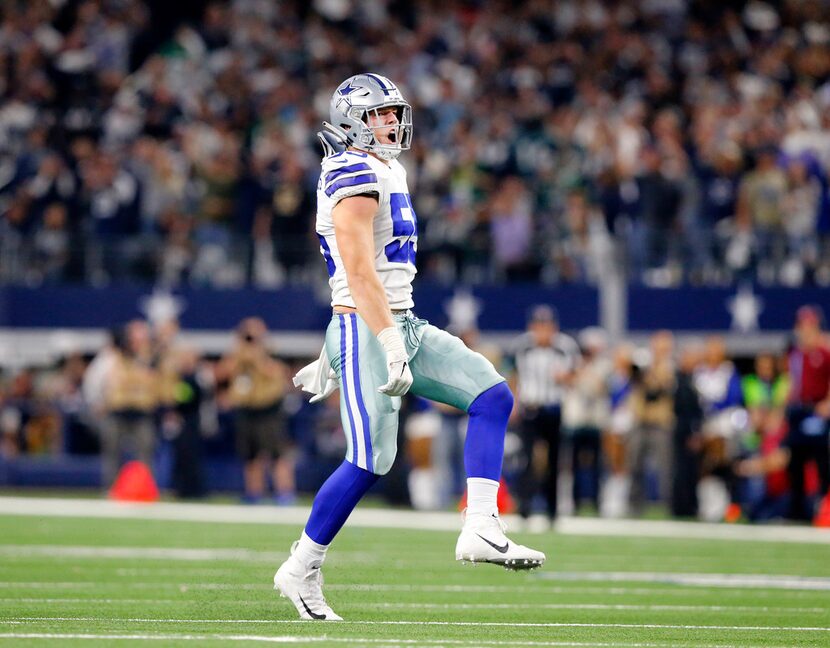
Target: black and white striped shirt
[[537, 368]]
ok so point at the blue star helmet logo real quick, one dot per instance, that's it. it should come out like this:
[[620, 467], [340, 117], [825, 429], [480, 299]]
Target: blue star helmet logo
[[349, 89]]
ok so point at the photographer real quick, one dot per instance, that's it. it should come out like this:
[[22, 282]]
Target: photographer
[[131, 396], [256, 386]]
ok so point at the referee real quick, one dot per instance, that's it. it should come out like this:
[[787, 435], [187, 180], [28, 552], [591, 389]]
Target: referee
[[544, 360]]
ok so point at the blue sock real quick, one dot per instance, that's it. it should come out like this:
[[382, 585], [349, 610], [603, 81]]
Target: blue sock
[[484, 447], [336, 500]]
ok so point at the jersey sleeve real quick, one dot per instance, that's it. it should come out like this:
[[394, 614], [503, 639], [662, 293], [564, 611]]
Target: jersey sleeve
[[349, 175]]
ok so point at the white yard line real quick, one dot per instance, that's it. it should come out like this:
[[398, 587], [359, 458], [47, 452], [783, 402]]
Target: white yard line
[[384, 518], [161, 553], [596, 606], [345, 640], [150, 553], [131, 601], [489, 624], [764, 581], [464, 606], [620, 590]]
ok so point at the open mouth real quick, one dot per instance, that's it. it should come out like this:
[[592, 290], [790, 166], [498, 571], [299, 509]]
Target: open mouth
[[393, 136]]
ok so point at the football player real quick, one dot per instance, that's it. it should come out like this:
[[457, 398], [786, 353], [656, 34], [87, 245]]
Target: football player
[[376, 349]]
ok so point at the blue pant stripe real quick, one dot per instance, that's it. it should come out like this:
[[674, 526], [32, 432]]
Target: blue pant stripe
[[344, 385], [364, 415]]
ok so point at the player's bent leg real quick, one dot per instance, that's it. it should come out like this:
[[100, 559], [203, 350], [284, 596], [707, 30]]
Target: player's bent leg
[[482, 537], [444, 369]]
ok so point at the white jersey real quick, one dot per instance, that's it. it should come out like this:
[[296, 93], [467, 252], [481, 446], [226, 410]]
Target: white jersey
[[395, 226]]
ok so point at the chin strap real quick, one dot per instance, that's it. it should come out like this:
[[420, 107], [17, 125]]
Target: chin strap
[[333, 139]]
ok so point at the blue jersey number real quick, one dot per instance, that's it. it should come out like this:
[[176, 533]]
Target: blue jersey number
[[404, 229]]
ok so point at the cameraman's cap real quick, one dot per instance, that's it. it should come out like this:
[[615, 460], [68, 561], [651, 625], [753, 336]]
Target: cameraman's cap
[[543, 313]]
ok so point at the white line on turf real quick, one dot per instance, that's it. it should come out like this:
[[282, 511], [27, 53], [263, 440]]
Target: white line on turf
[[618, 590], [240, 555], [347, 640], [765, 581], [492, 624], [468, 606], [17, 599], [383, 518], [594, 606], [154, 553], [162, 553]]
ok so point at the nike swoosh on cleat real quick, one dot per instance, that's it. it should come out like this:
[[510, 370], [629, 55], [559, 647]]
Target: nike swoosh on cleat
[[310, 613], [495, 546]]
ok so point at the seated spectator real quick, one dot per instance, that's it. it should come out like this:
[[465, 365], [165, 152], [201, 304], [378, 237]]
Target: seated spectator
[[723, 429], [769, 490]]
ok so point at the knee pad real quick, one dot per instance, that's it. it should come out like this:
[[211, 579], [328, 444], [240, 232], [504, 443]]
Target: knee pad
[[496, 402]]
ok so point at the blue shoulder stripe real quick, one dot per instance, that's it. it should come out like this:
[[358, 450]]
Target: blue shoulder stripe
[[352, 168], [366, 178]]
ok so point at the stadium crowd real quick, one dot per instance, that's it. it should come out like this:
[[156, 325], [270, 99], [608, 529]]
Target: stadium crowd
[[554, 142], [621, 426]]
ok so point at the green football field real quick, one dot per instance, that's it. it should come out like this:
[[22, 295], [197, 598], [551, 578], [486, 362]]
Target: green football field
[[74, 581]]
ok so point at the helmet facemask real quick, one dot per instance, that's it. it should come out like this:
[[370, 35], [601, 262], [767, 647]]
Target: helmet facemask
[[399, 135]]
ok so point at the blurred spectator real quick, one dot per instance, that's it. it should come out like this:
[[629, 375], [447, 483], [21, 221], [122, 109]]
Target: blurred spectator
[[718, 175], [66, 389], [767, 493], [584, 251], [770, 497], [16, 412], [621, 385], [585, 413], [96, 379], [425, 483], [808, 411], [218, 124], [649, 443], [760, 212], [131, 396], [512, 232], [189, 393], [257, 384], [658, 219], [723, 430], [51, 246], [686, 444], [801, 206], [766, 388]]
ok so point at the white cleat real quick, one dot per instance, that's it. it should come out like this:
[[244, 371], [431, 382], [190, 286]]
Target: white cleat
[[304, 588], [482, 539]]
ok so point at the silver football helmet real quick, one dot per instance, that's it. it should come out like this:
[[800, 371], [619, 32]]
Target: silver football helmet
[[355, 100]]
